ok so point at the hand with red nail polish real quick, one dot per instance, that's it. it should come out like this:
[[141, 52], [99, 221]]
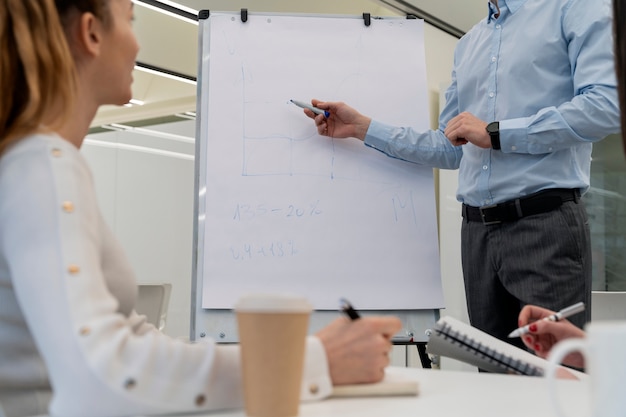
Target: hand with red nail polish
[[545, 334]]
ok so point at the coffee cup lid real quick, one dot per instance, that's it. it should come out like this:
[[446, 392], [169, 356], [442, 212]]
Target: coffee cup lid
[[273, 303]]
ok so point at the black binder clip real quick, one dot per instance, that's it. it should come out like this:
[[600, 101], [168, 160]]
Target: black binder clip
[[411, 16], [367, 18], [244, 15], [203, 14]]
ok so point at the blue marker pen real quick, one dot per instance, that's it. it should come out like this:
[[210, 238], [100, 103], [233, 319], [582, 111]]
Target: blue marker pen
[[315, 110]]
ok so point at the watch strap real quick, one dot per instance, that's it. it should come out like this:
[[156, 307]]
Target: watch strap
[[493, 129]]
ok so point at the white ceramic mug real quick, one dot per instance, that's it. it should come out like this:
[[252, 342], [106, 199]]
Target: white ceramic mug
[[604, 350]]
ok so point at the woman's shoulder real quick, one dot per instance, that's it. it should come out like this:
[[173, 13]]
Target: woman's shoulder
[[37, 143], [36, 151]]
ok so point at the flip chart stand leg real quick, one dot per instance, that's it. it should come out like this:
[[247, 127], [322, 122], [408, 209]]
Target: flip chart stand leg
[[421, 351]]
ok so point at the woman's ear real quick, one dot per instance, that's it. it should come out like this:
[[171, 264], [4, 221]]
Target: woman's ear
[[90, 34]]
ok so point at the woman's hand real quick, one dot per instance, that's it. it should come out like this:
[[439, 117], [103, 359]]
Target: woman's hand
[[358, 350]]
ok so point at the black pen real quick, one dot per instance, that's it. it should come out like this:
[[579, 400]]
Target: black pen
[[347, 308]]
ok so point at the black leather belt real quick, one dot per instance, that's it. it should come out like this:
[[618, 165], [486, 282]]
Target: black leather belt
[[509, 211]]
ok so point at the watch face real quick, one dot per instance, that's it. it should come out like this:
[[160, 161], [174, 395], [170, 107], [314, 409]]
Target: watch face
[[493, 127]]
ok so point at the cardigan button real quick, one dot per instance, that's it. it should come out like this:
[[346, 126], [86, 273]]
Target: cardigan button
[[130, 383], [314, 389], [200, 400], [68, 206], [56, 152], [73, 269]]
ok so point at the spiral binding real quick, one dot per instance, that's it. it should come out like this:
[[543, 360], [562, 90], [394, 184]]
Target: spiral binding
[[491, 355]]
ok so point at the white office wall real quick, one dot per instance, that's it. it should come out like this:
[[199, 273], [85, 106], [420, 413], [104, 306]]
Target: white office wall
[[144, 184]]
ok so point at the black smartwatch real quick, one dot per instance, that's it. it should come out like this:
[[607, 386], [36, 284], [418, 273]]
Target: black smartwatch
[[493, 129]]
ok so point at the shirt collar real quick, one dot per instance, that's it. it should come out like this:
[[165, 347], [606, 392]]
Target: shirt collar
[[491, 9], [511, 5]]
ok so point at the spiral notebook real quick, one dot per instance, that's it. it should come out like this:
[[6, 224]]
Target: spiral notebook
[[457, 340]]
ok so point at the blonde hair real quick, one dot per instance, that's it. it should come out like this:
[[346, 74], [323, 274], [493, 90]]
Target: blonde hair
[[37, 70]]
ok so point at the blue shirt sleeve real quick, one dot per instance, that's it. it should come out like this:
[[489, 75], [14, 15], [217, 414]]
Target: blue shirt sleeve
[[593, 112]]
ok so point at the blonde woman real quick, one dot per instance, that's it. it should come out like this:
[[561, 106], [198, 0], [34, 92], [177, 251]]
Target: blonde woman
[[69, 334]]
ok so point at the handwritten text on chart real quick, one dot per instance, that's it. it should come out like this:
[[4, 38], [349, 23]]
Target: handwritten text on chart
[[404, 208], [245, 211], [249, 251]]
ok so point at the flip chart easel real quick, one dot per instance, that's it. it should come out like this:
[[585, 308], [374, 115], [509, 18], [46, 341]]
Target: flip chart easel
[[279, 208]]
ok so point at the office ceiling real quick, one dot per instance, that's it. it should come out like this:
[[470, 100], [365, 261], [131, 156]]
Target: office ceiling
[[171, 44]]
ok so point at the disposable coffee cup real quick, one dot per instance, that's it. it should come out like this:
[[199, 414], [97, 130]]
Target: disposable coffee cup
[[272, 334]]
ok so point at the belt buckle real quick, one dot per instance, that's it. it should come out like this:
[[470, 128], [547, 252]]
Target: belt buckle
[[483, 215]]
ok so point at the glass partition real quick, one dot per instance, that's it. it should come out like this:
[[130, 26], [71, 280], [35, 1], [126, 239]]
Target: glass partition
[[606, 206]]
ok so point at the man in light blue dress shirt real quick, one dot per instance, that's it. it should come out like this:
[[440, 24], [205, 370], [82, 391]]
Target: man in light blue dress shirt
[[533, 86]]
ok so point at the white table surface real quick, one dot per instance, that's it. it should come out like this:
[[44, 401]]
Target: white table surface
[[451, 394]]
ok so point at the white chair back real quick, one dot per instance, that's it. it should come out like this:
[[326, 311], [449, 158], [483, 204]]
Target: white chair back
[[153, 302], [608, 305]]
